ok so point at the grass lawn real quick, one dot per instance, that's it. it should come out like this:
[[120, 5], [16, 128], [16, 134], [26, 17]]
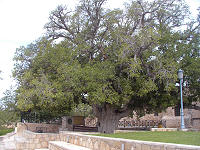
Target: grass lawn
[[5, 131], [179, 137]]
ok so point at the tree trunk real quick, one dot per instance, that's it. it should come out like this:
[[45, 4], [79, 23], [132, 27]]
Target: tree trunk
[[108, 123], [108, 118]]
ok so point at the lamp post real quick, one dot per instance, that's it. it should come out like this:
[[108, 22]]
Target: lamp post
[[180, 76]]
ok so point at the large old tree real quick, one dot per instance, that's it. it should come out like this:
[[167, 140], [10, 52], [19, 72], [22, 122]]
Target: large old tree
[[118, 61]]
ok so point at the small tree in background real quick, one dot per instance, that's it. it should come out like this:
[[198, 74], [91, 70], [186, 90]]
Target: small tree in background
[[9, 114]]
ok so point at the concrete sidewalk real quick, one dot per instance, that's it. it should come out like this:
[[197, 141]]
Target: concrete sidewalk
[[7, 142]]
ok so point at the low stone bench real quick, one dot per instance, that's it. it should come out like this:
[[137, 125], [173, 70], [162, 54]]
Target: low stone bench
[[163, 129], [59, 145]]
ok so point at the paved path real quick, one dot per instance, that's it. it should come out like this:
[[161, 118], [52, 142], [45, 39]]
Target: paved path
[[7, 142]]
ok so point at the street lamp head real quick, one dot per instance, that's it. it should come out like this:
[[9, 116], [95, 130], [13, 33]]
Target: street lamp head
[[180, 74]]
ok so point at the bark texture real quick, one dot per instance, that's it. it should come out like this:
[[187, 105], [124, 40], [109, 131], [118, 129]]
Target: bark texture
[[108, 117]]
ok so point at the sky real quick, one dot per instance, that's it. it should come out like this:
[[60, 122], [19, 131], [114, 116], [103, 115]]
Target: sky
[[22, 22]]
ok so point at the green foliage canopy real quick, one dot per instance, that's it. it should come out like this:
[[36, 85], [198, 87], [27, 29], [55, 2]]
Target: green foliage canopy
[[117, 60]]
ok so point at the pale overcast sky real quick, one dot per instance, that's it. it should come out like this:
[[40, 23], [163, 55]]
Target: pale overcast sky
[[22, 21]]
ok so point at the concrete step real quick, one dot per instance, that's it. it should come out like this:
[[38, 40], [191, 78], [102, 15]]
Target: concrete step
[[60, 145]]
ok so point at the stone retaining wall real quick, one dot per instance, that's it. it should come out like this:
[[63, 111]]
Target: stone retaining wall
[[41, 140], [105, 143], [34, 140], [35, 127], [196, 123]]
